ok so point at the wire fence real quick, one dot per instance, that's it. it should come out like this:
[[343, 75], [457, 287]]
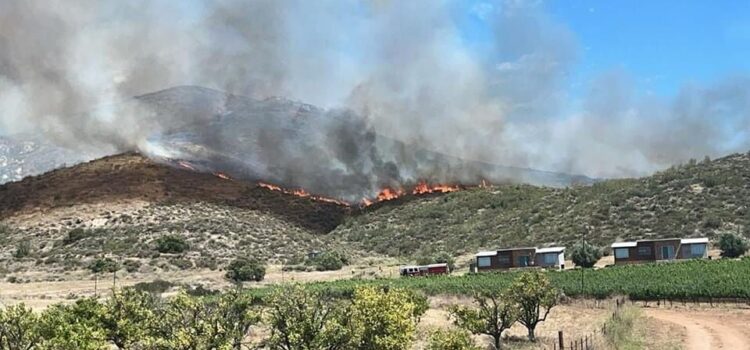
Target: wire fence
[[595, 340]]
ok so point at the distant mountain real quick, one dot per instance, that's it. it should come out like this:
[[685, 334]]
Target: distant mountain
[[24, 155], [328, 152]]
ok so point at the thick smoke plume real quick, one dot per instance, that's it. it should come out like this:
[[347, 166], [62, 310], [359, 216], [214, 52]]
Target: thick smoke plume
[[399, 69]]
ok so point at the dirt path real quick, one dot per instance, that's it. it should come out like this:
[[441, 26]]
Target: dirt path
[[707, 330]]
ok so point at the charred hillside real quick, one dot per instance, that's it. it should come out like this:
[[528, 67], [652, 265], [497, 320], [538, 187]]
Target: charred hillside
[[694, 199], [132, 177]]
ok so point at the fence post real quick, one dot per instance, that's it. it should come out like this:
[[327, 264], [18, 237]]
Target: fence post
[[560, 340]]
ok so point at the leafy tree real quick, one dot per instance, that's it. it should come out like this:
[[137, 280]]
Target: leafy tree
[[535, 297], [451, 340], [73, 327], [187, 323], [245, 269], [238, 314], [172, 244], [18, 328], [129, 317], [586, 255], [732, 246], [495, 312], [382, 319], [305, 319]]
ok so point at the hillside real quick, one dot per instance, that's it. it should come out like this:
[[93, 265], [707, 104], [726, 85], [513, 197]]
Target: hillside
[[696, 199], [122, 204]]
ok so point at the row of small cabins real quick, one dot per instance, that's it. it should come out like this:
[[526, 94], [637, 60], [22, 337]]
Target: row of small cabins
[[641, 251]]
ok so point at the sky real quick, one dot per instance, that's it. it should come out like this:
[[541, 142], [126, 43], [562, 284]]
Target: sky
[[663, 44]]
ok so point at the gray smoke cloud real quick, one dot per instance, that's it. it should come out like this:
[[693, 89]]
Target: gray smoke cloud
[[399, 69]]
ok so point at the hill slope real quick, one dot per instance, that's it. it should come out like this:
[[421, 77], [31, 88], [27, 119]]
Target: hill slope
[[696, 199], [123, 204]]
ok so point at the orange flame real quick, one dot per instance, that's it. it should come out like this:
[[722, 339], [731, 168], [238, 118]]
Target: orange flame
[[301, 193], [387, 194], [423, 188], [222, 175], [186, 165]]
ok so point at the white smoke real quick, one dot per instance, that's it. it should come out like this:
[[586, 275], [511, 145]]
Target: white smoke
[[66, 68]]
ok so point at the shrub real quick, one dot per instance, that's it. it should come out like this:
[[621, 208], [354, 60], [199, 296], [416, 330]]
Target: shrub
[[382, 318], [103, 265], [586, 255], [183, 264], [712, 222], [732, 246], [23, 250], [328, 261], [75, 235], [451, 340], [131, 265], [171, 244], [154, 287], [245, 269]]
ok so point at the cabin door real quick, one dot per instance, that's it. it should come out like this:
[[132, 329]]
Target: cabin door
[[524, 261], [667, 252]]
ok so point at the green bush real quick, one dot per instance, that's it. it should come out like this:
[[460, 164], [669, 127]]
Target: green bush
[[75, 235], [131, 265], [172, 244], [732, 246], [104, 265], [23, 249], [452, 339], [154, 287], [328, 261], [586, 255], [245, 269]]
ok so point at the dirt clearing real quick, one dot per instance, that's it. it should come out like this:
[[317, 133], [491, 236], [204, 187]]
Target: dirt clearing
[[708, 329]]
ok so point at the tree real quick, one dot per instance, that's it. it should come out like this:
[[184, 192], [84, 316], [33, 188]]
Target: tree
[[238, 315], [305, 319], [328, 261], [732, 246], [586, 255], [171, 244], [451, 340], [73, 327], [382, 319], [535, 297], [18, 328], [129, 317], [187, 323], [245, 269], [495, 312]]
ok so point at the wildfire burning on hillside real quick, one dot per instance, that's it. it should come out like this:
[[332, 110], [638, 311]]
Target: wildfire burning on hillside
[[385, 194]]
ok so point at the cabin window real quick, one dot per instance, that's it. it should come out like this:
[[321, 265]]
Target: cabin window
[[484, 261], [667, 252], [697, 250], [550, 259], [622, 253], [644, 251]]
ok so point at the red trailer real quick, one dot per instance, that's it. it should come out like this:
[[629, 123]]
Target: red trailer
[[424, 270]]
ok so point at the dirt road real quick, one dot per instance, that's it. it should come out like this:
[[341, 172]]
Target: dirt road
[[709, 329]]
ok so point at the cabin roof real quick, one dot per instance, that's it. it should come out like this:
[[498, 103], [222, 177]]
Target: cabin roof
[[550, 250]]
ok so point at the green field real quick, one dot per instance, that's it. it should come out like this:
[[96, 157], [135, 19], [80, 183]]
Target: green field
[[689, 280]]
